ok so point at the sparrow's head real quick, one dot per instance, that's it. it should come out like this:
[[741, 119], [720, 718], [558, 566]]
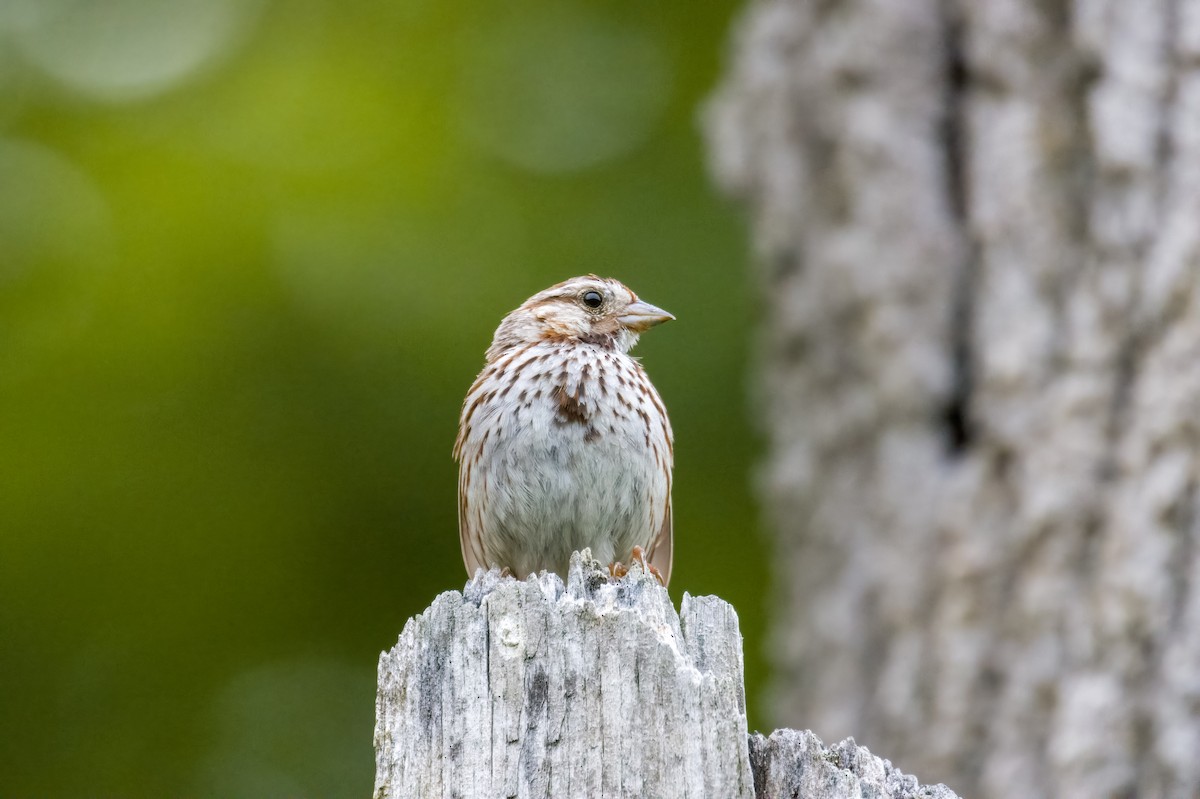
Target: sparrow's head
[[591, 310]]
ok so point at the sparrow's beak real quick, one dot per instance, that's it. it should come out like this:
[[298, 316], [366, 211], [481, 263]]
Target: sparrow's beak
[[641, 316]]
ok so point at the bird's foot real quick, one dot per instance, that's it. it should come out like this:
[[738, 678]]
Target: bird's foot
[[640, 556], [617, 569]]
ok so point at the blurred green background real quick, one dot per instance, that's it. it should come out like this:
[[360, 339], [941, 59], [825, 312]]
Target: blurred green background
[[251, 253]]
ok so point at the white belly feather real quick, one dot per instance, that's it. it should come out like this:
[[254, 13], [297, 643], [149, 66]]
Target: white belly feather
[[547, 483]]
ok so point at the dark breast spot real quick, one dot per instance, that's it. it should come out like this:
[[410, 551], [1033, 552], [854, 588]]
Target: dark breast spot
[[569, 408], [604, 340]]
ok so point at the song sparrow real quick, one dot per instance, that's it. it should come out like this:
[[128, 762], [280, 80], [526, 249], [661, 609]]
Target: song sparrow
[[563, 442]]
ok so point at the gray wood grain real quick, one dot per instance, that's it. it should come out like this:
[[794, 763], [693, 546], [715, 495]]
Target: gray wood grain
[[540, 689], [594, 688], [791, 764]]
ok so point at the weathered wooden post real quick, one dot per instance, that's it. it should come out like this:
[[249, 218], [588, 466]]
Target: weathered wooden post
[[591, 689]]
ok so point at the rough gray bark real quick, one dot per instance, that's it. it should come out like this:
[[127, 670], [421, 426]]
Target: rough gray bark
[[524, 689], [793, 764], [591, 689], [979, 230]]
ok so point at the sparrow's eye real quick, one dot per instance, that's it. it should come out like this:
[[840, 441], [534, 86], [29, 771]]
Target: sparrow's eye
[[592, 299]]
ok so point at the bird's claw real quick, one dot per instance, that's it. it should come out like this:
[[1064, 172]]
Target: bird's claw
[[617, 569]]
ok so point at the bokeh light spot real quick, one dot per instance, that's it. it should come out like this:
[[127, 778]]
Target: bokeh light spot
[[562, 89], [325, 116], [50, 211], [122, 50]]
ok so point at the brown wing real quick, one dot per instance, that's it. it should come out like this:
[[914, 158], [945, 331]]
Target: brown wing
[[662, 547], [468, 537]]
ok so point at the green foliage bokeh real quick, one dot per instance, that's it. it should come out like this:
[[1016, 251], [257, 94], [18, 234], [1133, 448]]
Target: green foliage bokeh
[[251, 253]]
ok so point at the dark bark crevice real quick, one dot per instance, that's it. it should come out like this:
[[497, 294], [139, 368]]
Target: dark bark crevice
[[956, 421]]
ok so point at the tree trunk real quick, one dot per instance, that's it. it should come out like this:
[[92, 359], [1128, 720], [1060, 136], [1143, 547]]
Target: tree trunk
[[979, 232], [592, 689]]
